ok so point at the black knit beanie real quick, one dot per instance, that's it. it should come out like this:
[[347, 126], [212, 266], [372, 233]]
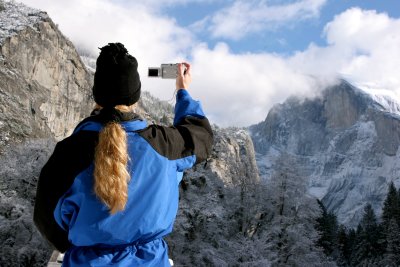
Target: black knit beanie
[[116, 81]]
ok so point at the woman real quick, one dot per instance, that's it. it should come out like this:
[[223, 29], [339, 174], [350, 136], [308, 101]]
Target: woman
[[109, 192]]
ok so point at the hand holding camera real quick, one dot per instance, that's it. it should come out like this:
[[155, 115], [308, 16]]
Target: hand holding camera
[[184, 77], [178, 71]]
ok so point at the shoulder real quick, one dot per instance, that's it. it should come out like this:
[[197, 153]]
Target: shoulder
[[80, 140], [74, 152], [167, 141], [70, 157]]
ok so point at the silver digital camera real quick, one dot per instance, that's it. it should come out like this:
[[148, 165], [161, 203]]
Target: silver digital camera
[[166, 71]]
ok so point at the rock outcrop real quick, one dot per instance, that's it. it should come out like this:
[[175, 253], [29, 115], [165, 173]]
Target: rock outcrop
[[45, 86], [346, 142], [234, 145]]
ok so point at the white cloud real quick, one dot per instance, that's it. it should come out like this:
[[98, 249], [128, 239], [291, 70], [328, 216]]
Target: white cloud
[[362, 46], [237, 89], [150, 37], [240, 89], [93, 23], [247, 17]]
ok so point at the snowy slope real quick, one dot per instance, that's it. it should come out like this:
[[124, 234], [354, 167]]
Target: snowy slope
[[386, 100], [15, 17]]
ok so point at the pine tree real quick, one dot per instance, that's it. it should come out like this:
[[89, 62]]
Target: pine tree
[[398, 202], [327, 226], [392, 254], [348, 250], [345, 241], [367, 248], [391, 207]]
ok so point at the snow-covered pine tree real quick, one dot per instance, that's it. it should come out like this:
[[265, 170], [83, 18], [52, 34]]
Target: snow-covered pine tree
[[291, 235], [247, 206]]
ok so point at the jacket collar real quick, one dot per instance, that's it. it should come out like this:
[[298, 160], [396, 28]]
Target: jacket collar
[[131, 122]]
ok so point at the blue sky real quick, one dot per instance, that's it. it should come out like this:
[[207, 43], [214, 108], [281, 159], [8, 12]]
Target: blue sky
[[285, 39], [246, 55]]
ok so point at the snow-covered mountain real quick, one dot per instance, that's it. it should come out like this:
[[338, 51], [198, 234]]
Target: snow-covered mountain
[[345, 142], [341, 146]]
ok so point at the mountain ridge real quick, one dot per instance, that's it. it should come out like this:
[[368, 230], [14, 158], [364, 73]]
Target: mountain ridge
[[343, 142], [346, 142]]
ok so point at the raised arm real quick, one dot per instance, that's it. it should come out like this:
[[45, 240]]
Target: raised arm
[[191, 134]]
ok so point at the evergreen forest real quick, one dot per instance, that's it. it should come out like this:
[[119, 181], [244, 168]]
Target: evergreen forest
[[375, 241]]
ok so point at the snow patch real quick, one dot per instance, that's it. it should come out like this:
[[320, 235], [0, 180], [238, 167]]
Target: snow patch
[[90, 63], [388, 100], [15, 17]]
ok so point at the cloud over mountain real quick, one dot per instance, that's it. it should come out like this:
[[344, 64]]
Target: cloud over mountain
[[238, 88]]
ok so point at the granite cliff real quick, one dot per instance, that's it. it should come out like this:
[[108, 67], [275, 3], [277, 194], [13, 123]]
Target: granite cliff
[[345, 141], [45, 86]]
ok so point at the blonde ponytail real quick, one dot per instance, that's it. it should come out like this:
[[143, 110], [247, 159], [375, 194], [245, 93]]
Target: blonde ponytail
[[111, 176]]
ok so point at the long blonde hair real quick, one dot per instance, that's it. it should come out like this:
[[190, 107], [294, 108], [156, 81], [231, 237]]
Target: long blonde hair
[[111, 158]]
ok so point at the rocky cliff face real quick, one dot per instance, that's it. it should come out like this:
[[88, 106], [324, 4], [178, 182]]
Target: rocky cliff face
[[234, 145], [45, 85], [346, 142], [45, 90]]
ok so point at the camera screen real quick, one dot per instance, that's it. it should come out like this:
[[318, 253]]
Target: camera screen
[[153, 72]]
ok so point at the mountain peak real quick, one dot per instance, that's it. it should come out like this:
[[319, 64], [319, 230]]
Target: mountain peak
[[345, 141]]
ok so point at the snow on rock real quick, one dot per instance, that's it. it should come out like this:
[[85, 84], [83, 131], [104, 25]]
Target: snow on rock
[[89, 62], [387, 100], [346, 142], [15, 17]]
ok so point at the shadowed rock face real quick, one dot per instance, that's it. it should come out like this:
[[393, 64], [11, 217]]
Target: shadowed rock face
[[345, 141], [341, 107], [45, 90]]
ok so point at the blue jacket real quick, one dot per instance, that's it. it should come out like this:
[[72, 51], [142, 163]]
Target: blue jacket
[[83, 226]]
